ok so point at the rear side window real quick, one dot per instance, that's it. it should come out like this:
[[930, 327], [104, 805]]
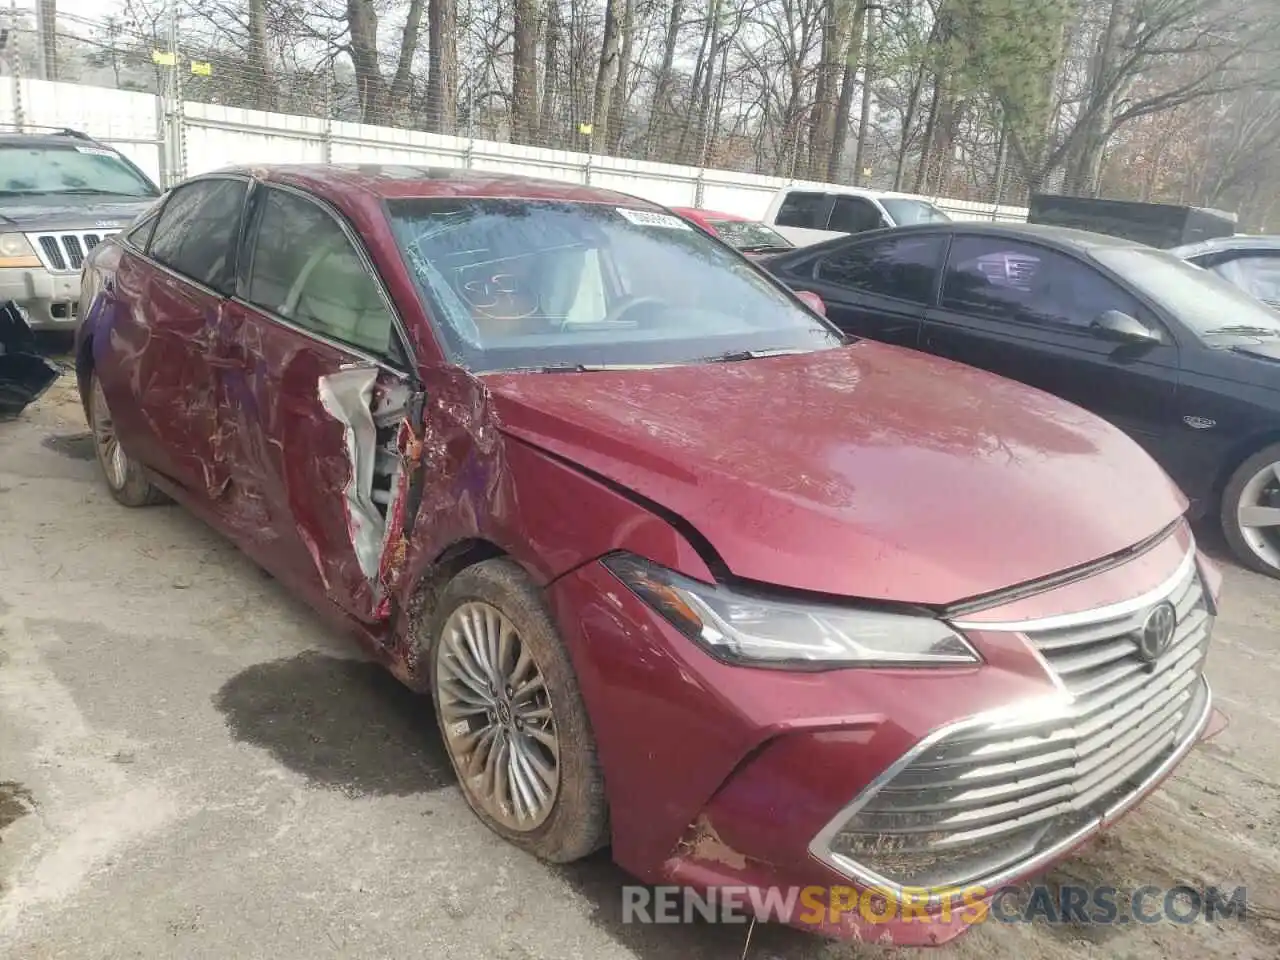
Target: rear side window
[[855, 215], [306, 270], [901, 268], [1259, 274], [801, 209], [198, 231]]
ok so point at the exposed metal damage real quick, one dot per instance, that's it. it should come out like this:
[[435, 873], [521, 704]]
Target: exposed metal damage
[[384, 451]]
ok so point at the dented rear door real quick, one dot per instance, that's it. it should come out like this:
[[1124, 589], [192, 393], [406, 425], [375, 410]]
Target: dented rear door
[[318, 403]]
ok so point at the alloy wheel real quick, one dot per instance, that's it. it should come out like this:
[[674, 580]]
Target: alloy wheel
[[1258, 514], [496, 711], [115, 465]]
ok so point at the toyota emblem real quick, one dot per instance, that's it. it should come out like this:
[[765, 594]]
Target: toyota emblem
[[1157, 633]]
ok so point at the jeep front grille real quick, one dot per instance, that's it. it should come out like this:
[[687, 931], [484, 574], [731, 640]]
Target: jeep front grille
[[986, 798], [65, 251]]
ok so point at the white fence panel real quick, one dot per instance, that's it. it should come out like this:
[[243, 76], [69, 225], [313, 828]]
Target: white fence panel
[[218, 136], [126, 120]]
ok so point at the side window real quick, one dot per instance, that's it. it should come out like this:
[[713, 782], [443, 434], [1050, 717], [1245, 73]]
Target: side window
[[306, 270], [139, 234], [855, 215], [905, 268], [1259, 274], [198, 230], [1008, 280], [803, 209]]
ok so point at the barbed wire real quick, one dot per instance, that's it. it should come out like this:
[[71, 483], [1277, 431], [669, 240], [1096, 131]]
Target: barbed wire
[[315, 77]]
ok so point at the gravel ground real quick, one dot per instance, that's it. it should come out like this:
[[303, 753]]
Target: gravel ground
[[192, 765]]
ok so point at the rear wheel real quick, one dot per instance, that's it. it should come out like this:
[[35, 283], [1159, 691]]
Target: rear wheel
[[125, 479], [512, 717], [1250, 511]]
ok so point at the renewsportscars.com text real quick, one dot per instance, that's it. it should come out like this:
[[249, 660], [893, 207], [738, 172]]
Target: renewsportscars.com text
[[971, 905]]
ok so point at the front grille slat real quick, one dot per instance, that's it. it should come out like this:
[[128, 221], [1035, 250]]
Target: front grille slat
[[65, 251], [990, 796]]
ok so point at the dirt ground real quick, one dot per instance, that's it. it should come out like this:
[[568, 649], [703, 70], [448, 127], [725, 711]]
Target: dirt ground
[[192, 765]]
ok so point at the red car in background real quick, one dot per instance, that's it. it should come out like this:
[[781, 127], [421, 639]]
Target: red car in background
[[685, 571], [753, 238]]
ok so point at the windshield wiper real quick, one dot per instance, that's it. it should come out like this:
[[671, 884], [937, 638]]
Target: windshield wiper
[[594, 367], [735, 356], [1245, 329]]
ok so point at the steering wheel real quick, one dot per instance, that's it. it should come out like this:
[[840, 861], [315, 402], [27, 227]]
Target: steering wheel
[[627, 304]]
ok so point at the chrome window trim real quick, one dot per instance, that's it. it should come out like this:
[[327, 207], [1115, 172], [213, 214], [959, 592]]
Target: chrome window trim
[[338, 345], [820, 846], [1094, 615]]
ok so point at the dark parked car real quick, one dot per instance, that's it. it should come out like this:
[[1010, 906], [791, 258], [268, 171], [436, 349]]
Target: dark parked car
[[1251, 263], [1184, 362], [683, 572]]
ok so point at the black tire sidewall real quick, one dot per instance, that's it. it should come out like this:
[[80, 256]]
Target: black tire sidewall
[[137, 490], [577, 823], [1229, 508]]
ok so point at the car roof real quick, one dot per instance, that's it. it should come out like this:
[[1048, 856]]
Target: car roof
[[1061, 236], [1222, 244], [400, 181], [698, 213], [843, 190], [62, 138]]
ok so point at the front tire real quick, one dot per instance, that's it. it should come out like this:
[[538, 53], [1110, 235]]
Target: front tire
[[511, 714], [125, 479], [1250, 512]]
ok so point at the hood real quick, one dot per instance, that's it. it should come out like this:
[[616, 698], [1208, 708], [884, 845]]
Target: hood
[[72, 213], [865, 471], [1258, 348]]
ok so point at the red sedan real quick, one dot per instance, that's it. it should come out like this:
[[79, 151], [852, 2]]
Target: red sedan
[[752, 237], [685, 572]]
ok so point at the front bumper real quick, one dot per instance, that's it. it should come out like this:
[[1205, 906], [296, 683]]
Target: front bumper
[[722, 776], [49, 299]]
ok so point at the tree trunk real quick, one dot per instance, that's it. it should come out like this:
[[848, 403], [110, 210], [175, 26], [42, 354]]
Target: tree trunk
[[700, 67], [551, 71], [908, 118], [926, 147], [825, 96], [442, 73], [401, 83], [618, 107], [660, 110], [852, 58], [864, 117], [524, 72], [1084, 159], [264, 93], [698, 153], [607, 75], [362, 23]]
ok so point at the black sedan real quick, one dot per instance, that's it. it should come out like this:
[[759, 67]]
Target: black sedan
[[1183, 361], [1251, 263]]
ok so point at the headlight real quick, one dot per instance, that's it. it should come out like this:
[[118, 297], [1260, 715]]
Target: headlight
[[15, 251], [753, 629]]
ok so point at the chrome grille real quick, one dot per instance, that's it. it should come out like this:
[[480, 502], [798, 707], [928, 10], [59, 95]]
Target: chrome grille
[[988, 796], [65, 251]]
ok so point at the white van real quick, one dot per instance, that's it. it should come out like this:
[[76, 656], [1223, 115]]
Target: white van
[[805, 215]]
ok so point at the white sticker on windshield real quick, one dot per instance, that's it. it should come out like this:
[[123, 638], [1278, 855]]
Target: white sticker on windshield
[[647, 218], [97, 151]]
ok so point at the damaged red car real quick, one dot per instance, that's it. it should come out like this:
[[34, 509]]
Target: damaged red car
[[685, 572]]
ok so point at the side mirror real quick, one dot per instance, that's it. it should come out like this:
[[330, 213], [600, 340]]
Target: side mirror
[[813, 302], [1115, 325]]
